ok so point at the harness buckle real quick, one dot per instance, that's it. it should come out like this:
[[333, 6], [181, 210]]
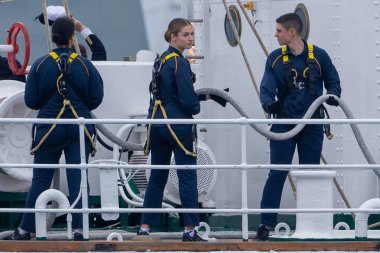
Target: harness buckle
[[64, 69]]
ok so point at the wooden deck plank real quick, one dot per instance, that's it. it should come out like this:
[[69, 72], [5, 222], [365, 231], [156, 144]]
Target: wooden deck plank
[[71, 246]]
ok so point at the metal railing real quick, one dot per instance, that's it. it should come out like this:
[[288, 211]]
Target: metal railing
[[243, 166]]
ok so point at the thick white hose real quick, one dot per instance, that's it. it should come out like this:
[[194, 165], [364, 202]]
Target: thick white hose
[[287, 135]]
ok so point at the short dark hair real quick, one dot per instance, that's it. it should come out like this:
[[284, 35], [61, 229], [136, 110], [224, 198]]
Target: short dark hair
[[291, 20], [62, 30]]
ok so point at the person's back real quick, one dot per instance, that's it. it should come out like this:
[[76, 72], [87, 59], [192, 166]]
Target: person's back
[[41, 92], [60, 84], [176, 88]]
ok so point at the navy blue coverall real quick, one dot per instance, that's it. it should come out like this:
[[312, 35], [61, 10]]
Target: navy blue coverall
[[180, 102], [41, 94], [97, 48], [293, 102]]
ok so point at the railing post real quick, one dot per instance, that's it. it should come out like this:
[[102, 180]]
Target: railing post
[[83, 182], [244, 184]]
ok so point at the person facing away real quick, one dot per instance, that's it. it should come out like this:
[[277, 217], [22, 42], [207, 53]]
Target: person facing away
[[179, 101], [6, 73], [294, 77], [98, 51], [79, 94]]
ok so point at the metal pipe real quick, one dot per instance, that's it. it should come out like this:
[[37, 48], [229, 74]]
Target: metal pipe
[[6, 48], [120, 132], [361, 219], [203, 167], [244, 183], [187, 210], [41, 203], [83, 182], [234, 121], [136, 200]]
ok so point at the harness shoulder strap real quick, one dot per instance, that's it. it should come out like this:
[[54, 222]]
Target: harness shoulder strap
[[310, 54], [311, 57], [290, 72], [285, 57], [158, 63], [55, 56], [168, 57], [72, 57]]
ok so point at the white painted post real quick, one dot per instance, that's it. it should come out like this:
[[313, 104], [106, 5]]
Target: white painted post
[[244, 183], [314, 190]]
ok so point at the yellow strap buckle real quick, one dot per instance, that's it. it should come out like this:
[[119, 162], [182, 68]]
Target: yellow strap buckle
[[311, 51], [285, 57]]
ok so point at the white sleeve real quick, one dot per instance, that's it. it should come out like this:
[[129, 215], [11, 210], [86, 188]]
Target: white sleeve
[[86, 32]]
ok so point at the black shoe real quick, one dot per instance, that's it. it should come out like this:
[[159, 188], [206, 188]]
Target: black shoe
[[262, 233], [16, 236], [186, 237], [78, 236]]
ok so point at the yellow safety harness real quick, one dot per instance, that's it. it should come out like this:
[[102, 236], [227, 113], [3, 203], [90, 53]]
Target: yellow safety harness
[[310, 58], [308, 73], [66, 102], [158, 104]]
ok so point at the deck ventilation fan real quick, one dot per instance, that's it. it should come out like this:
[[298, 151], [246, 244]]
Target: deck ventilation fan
[[206, 178]]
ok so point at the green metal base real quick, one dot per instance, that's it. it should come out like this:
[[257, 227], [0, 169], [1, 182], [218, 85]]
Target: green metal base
[[131, 222]]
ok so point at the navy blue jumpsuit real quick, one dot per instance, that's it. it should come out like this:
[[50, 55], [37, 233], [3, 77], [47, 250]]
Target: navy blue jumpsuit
[[180, 102], [293, 103], [97, 48], [41, 94]]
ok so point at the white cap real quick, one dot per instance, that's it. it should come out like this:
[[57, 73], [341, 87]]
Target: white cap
[[54, 12]]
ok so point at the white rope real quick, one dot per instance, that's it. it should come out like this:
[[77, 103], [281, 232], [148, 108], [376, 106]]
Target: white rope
[[47, 29], [68, 13]]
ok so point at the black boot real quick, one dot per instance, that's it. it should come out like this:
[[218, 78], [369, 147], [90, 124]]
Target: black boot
[[262, 233], [78, 236]]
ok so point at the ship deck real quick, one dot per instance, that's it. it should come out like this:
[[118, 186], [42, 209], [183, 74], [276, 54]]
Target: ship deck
[[175, 245]]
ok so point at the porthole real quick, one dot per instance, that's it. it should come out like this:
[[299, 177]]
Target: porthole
[[233, 10], [302, 12]]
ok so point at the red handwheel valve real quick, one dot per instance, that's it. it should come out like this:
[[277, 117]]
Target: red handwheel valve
[[12, 41]]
